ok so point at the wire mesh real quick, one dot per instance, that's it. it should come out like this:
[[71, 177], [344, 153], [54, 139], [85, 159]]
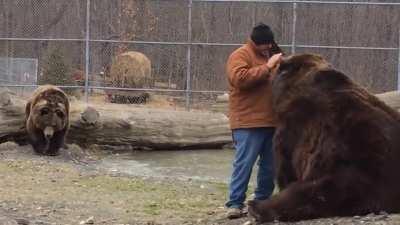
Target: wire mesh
[[52, 62], [42, 19], [187, 44], [127, 20], [373, 69], [348, 25]]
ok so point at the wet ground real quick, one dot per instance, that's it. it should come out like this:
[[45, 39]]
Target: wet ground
[[100, 188], [148, 187], [199, 165]]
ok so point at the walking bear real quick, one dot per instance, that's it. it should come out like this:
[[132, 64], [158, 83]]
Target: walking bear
[[47, 119]]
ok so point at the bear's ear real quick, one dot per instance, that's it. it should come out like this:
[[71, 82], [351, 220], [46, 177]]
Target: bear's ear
[[330, 79]]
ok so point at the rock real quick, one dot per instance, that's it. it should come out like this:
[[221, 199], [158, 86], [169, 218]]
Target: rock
[[90, 116], [223, 98], [248, 223], [22, 222], [90, 220], [228, 146], [72, 98], [5, 99]]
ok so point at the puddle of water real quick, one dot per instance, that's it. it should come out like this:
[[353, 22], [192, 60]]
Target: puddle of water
[[203, 165]]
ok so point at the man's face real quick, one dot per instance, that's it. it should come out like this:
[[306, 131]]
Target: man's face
[[264, 49]]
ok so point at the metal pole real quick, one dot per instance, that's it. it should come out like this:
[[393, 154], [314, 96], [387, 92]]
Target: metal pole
[[293, 50], [398, 66], [87, 47], [188, 56], [198, 43], [254, 14]]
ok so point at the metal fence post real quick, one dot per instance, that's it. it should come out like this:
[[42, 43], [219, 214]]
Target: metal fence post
[[398, 66], [188, 56], [87, 49], [293, 50]]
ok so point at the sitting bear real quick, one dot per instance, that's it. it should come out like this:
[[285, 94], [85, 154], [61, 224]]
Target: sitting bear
[[337, 147], [47, 119]]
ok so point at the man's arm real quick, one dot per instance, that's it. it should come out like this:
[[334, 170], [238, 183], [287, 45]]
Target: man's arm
[[242, 76]]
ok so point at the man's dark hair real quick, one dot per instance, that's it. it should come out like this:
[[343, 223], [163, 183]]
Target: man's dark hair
[[262, 34]]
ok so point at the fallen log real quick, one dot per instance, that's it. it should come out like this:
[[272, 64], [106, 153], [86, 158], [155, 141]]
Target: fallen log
[[133, 127], [124, 126], [392, 98]]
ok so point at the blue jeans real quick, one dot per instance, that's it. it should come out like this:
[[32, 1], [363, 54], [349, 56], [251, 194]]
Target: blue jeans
[[251, 143]]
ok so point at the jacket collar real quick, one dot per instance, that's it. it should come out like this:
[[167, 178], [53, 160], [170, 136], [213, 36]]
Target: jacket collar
[[252, 46]]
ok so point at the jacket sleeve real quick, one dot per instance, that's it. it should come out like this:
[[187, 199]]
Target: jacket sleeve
[[242, 75]]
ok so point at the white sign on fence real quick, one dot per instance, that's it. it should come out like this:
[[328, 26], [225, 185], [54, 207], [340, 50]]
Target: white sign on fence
[[18, 71]]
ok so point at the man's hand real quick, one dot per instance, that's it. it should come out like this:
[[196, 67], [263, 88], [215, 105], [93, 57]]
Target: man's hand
[[273, 65], [274, 61]]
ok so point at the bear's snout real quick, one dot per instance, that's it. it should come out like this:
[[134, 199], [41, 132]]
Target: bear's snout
[[48, 132]]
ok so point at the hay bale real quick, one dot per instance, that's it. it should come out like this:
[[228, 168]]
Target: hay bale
[[131, 70]]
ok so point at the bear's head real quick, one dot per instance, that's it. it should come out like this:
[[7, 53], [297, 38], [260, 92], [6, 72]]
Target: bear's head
[[49, 115], [304, 76]]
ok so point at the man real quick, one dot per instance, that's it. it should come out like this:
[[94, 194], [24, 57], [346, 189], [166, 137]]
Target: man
[[250, 70]]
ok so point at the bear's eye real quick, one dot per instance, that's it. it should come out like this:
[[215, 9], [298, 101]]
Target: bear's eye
[[283, 71], [284, 66], [60, 114], [44, 111]]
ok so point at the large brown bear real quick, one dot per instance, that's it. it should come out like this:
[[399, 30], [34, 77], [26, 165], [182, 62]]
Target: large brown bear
[[47, 119], [337, 146]]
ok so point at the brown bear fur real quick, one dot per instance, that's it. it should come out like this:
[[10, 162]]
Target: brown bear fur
[[47, 119], [337, 147]]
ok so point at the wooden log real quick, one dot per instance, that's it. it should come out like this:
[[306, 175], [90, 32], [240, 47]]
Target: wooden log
[[12, 117], [125, 126], [391, 98]]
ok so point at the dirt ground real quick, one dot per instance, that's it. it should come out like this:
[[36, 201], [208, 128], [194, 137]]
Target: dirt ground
[[70, 189]]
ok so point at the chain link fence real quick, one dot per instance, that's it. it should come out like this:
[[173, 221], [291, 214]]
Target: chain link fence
[[172, 53]]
